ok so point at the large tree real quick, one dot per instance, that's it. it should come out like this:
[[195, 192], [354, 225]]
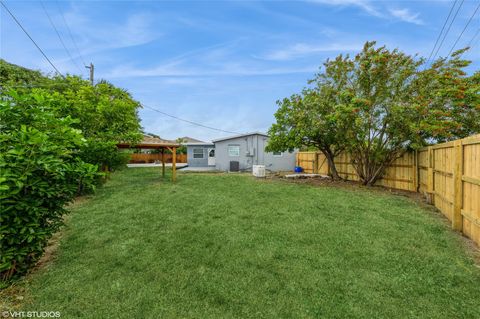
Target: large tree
[[104, 113], [447, 100], [379, 110], [397, 103], [312, 118], [377, 105]]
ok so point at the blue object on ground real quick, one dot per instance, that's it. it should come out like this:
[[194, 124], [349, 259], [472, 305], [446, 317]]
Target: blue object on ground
[[298, 169]]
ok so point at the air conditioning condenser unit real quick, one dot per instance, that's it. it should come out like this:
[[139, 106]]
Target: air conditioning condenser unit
[[258, 170]]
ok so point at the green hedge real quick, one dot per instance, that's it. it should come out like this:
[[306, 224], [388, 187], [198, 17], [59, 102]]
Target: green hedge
[[40, 173]]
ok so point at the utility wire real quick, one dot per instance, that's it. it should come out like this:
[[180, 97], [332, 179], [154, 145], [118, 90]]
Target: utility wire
[[70, 33], [188, 121], [473, 38], [149, 107], [448, 29], [28, 35], [59, 36], [465, 28], [441, 31]]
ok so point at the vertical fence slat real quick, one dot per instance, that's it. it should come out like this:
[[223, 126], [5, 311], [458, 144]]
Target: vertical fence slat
[[430, 177], [457, 220]]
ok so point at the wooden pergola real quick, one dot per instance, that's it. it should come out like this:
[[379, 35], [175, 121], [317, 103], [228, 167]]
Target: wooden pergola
[[157, 143]]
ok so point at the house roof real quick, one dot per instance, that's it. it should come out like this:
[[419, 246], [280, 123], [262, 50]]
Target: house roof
[[199, 144], [188, 140], [240, 135]]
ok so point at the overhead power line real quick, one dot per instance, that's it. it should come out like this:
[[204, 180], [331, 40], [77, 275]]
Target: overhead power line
[[448, 29], [188, 121], [70, 34], [471, 42], [441, 31], [59, 36], [31, 39], [465, 28]]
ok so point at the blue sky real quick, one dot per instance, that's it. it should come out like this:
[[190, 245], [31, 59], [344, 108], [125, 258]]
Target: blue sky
[[220, 63]]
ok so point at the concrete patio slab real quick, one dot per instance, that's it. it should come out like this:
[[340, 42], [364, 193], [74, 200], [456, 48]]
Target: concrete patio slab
[[198, 169], [179, 165]]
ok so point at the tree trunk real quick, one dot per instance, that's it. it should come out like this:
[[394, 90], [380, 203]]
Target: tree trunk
[[332, 169], [376, 172]]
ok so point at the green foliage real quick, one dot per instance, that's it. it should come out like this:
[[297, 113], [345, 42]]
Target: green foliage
[[394, 105], [56, 133], [40, 174], [104, 111], [14, 75], [380, 108], [105, 114], [377, 105], [447, 101], [103, 153], [313, 118], [183, 148]]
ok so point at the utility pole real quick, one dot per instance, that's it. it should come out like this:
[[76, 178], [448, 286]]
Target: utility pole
[[92, 70]]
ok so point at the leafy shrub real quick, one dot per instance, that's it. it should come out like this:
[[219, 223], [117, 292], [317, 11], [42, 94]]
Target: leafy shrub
[[103, 153], [40, 174]]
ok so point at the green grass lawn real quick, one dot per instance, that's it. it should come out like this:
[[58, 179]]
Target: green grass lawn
[[230, 246]]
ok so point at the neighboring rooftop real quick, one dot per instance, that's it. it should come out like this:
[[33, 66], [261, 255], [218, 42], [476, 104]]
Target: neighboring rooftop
[[149, 139], [240, 135], [188, 140], [199, 144]]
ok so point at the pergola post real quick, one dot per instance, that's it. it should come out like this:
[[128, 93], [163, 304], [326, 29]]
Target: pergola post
[[174, 164], [163, 162]]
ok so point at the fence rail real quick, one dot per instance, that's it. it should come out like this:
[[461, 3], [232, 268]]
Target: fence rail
[[152, 158], [448, 174]]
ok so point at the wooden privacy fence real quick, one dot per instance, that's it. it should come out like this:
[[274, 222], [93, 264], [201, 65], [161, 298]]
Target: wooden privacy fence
[[152, 158], [448, 174]]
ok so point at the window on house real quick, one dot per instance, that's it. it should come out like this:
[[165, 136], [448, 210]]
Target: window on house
[[233, 150], [277, 154], [198, 153]]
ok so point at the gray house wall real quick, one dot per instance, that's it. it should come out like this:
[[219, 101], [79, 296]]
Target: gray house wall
[[255, 145], [198, 162]]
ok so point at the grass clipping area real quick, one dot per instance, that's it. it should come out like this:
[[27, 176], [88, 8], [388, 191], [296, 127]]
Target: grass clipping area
[[230, 246]]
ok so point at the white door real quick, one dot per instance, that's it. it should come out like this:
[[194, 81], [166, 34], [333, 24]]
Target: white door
[[211, 157]]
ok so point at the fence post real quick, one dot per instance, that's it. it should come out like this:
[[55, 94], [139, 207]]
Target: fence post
[[457, 218], [415, 171], [315, 163], [430, 178]]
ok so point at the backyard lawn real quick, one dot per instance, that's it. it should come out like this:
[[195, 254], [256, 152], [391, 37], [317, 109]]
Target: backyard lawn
[[230, 246]]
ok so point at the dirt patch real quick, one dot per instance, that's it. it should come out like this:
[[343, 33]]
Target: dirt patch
[[78, 201], [351, 185], [51, 250], [15, 296]]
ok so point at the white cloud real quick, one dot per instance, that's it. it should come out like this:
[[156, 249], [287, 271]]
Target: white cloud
[[368, 7], [135, 30], [215, 60], [303, 49], [365, 5], [406, 15]]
